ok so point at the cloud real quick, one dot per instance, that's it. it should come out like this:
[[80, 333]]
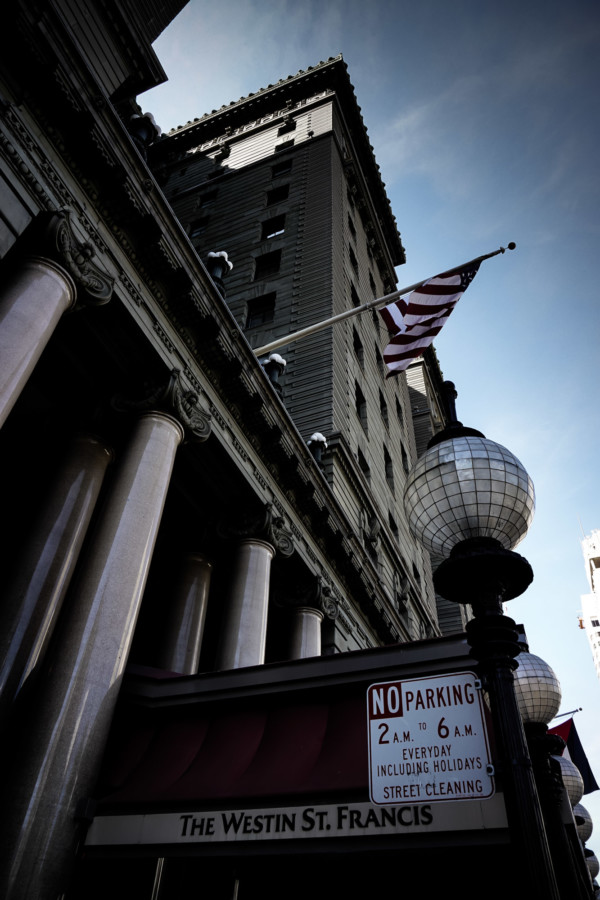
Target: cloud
[[528, 115]]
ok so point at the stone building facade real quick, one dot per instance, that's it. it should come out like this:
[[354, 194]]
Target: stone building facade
[[285, 181], [166, 508]]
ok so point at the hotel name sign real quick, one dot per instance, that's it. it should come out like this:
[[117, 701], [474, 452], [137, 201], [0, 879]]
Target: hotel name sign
[[289, 822]]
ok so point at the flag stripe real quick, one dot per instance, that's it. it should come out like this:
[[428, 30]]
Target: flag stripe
[[414, 323]]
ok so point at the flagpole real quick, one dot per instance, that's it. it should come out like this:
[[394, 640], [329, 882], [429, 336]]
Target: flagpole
[[371, 304]]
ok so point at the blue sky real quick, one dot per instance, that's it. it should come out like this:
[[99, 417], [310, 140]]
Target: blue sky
[[485, 120]]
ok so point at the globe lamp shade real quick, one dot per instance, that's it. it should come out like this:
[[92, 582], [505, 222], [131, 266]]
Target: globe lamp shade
[[584, 823], [468, 487], [572, 779], [538, 689]]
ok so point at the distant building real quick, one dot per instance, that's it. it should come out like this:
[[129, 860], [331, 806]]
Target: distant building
[[285, 181], [590, 615]]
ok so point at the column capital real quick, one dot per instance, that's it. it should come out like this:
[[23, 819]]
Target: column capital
[[309, 593], [171, 397], [59, 241], [260, 522]]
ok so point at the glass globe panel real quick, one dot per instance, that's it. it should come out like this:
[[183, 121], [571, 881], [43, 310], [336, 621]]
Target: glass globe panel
[[572, 779], [587, 826], [468, 487], [537, 688]]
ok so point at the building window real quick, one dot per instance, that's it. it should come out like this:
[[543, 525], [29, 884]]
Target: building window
[[207, 199], [380, 362], [266, 265], [595, 623], [389, 469], [198, 227], [278, 194], [354, 296], [284, 146], [358, 347], [261, 310], [350, 196], [363, 464], [273, 227], [399, 412], [288, 125], [405, 464], [282, 168], [351, 227], [361, 405], [383, 409], [222, 153], [372, 284], [353, 259], [393, 525]]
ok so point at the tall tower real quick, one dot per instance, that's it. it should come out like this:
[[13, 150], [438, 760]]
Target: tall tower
[[590, 617], [285, 181]]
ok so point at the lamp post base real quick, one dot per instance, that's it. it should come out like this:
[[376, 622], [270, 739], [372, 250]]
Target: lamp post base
[[479, 571]]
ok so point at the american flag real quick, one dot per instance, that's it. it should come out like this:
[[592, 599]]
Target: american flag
[[415, 322]]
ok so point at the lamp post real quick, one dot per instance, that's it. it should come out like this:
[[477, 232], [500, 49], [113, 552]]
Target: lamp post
[[539, 696], [469, 500]]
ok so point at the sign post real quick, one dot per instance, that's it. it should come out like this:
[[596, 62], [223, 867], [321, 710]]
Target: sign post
[[428, 740]]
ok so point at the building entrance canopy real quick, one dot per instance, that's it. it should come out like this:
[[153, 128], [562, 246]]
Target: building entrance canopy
[[269, 753]]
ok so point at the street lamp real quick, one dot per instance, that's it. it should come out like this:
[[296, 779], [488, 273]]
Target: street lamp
[[469, 500], [539, 696]]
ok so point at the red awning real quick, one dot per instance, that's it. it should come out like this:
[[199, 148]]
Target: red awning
[[305, 748]]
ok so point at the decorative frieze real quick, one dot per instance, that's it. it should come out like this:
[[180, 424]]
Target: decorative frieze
[[103, 146], [162, 334], [22, 171], [65, 83], [131, 289]]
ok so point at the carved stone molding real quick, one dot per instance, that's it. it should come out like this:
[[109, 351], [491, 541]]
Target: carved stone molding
[[15, 158], [328, 604], [77, 258], [280, 536], [311, 592], [262, 522], [248, 522], [173, 397]]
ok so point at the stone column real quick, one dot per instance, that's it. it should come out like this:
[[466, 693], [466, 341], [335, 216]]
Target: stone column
[[306, 632], [32, 599], [307, 600], [31, 305], [187, 614], [59, 759], [245, 627]]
